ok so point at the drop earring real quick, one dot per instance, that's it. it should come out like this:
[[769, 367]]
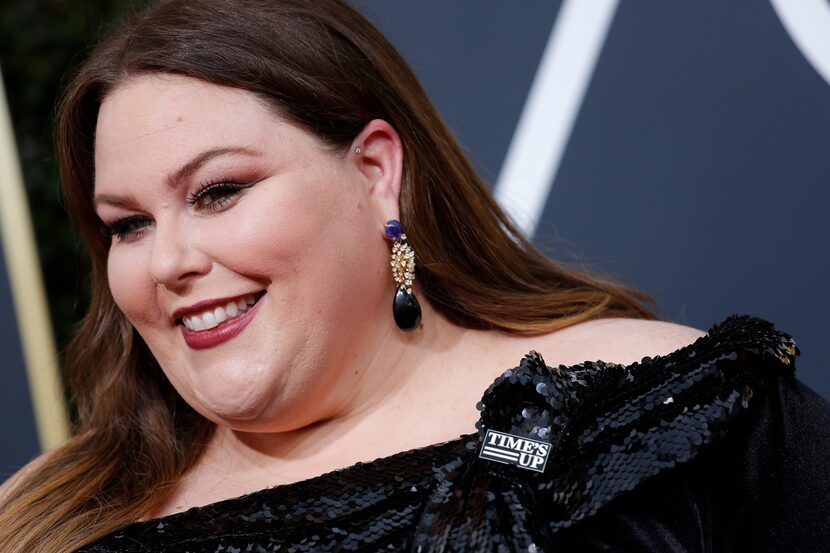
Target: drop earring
[[405, 306]]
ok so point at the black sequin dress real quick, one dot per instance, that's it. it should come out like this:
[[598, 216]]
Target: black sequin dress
[[715, 447]]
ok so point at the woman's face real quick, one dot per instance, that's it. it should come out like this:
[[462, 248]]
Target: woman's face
[[249, 256]]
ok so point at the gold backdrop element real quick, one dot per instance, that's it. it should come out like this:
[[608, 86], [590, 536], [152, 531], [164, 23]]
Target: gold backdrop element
[[28, 293]]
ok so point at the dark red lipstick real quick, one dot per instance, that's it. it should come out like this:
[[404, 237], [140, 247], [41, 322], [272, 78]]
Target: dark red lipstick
[[204, 339]]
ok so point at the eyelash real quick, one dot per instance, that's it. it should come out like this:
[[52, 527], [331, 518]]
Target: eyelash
[[128, 227], [226, 187], [124, 228]]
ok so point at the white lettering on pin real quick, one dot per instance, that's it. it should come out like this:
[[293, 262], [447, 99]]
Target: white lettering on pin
[[515, 450]]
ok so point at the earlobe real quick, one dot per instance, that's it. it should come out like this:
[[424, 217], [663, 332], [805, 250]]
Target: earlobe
[[377, 153]]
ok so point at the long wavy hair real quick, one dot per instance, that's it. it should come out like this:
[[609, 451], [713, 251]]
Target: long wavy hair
[[322, 65]]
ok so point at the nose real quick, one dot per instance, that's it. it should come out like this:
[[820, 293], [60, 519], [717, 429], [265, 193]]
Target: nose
[[177, 256]]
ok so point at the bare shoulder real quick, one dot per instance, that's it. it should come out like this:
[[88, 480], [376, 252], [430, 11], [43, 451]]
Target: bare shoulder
[[488, 354], [617, 340], [20, 476]]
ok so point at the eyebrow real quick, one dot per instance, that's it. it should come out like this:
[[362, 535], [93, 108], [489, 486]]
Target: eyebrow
[[197, 162], [123, 201], [180, 174]]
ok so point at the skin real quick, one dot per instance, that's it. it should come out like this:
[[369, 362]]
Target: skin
[[321, 378], [302, 233]]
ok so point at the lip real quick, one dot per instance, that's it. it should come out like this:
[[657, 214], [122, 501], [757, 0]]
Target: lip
[[205, 339]]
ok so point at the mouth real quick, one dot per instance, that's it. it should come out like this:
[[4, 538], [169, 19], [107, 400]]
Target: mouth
[[219, 315], [217, 324]]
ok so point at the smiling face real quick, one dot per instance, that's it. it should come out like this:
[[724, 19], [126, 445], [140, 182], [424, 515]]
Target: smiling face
[[222, 210]]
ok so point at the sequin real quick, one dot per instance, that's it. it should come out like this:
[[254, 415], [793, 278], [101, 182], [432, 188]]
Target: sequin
[[611, 428]]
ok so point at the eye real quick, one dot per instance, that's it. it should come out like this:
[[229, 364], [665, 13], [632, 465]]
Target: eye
[[128, 227], [213, 196]]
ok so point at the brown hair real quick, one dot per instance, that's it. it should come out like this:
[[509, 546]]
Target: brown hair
[[322, 65]]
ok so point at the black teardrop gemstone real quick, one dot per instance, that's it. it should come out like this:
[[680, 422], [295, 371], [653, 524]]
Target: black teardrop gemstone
[[406, 309]]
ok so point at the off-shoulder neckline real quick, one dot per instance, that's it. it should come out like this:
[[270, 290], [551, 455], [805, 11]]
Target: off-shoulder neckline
[[290, 488]]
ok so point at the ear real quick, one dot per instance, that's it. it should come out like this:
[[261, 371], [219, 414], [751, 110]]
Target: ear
[[378, 154]]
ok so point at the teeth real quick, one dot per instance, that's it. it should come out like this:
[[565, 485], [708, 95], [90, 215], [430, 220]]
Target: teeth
[[213, 317], [197, 324], [220, 315], [210, 320]]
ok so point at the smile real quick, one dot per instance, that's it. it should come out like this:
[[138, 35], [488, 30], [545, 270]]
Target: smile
[[213, 317], [217, 324]]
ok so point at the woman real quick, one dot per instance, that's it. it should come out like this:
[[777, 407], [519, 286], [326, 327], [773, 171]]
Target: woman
[[238, 171]]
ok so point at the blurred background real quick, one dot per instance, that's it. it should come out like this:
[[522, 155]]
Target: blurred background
[[679, 146]]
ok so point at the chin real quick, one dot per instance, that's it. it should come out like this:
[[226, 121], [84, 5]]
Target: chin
[[233, 405]]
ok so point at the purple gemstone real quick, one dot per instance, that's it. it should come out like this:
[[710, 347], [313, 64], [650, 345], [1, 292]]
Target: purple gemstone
[[394, 230]]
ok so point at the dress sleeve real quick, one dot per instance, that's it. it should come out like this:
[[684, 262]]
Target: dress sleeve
[[722, 424], [783, 478]]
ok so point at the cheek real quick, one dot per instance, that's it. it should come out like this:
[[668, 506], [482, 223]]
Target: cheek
[[303, 232], [316, 247], [131, 287], [259, 239]]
